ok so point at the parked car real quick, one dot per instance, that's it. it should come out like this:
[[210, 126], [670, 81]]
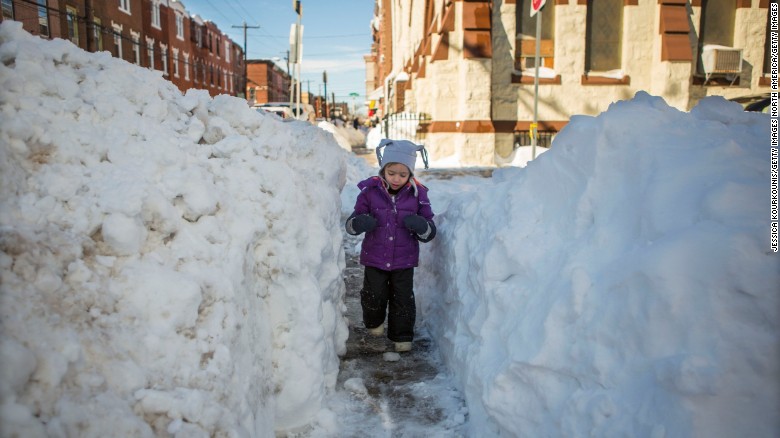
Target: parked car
[[281, 111], [284, 110]]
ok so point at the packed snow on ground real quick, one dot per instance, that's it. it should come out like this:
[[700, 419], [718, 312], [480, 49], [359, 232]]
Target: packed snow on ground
[[172, 265], [622, 284]]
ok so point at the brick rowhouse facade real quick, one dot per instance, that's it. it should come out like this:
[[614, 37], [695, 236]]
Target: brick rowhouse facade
[[266, 82], [157, 34]]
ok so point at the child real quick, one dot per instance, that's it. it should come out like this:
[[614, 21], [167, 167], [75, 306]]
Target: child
[[394, 211]]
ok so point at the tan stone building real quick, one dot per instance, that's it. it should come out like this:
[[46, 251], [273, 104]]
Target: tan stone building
[[469, 66]]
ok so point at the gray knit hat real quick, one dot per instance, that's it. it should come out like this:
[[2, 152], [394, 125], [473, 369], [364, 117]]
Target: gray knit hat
[[400, 151]]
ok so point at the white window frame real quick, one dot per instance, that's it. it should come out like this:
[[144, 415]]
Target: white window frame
[[227, 51], [186, 66], [44, 26], [156, 15], [8, 9], [179, 26], [97, 33], [72, 15], [175, 62], [164, 57], [136, 37], [124, 6], [150, 52], [117, 30]]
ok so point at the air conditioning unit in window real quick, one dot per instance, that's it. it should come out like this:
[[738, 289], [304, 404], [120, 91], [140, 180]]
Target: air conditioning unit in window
[[721, 60]]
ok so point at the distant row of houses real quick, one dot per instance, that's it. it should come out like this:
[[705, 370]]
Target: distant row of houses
[[160, 34], [157, 34], [466, 68]]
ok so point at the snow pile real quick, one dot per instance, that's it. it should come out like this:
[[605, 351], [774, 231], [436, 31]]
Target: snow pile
[[169, 264], [374, 136], [346, 136], [524, 154], [620, 285]]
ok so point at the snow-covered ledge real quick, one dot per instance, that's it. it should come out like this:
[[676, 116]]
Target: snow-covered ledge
[[526, 76], [611, 77]]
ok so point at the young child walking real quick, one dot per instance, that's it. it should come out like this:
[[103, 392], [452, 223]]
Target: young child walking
[[394, 211]]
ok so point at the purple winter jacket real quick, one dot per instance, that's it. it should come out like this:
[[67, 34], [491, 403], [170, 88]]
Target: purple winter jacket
[[391, 245]]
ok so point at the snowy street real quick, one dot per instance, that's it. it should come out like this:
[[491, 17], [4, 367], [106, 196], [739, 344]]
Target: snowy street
[[175, 265]]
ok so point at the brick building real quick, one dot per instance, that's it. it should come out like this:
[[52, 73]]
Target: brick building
[[266, 82], [157, 34]]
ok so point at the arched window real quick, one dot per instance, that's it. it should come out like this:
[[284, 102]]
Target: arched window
[[604, 35]]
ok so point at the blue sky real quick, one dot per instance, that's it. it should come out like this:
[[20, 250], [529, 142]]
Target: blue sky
[[336, 36]]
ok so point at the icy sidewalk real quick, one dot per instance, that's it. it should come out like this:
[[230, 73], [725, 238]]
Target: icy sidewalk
[[413, 396]]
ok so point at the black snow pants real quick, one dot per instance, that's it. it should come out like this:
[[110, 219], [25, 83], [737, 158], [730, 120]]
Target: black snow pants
[[391, 292]]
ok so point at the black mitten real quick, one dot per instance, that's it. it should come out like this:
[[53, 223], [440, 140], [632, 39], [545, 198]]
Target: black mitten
[[363, 223], [416, 223]]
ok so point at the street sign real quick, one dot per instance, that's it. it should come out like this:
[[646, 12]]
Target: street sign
[[296, 46], [354, 94], [536, 6]]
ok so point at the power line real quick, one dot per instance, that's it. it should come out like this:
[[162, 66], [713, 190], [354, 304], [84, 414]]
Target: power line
[[246, 75]]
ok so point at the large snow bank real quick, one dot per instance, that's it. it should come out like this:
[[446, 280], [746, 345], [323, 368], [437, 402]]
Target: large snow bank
[[170, 264], [620, 285]]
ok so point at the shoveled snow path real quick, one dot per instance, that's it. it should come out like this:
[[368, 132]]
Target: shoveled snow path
[[410, 397]]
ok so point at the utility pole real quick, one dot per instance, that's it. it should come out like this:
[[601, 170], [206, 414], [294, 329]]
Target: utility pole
[[325, 81], [296, 36], [245, 66]]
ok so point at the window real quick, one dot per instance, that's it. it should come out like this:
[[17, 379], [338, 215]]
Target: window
[[43, 18], [176, 63], [717, 26], [164, 57], [8, 9], [179, 26], [73, 24], [603, 35], [196, 34], [124, 6], [155, 15], [97, 33], [136, 49], [150, 52], [227, 51], [118, 42], [525, 39], [218, 43], [186, 66]]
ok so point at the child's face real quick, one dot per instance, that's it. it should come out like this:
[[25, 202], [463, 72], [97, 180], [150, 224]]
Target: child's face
[[397, 175]]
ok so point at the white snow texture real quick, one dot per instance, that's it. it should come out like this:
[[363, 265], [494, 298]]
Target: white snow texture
[[169, 262]]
